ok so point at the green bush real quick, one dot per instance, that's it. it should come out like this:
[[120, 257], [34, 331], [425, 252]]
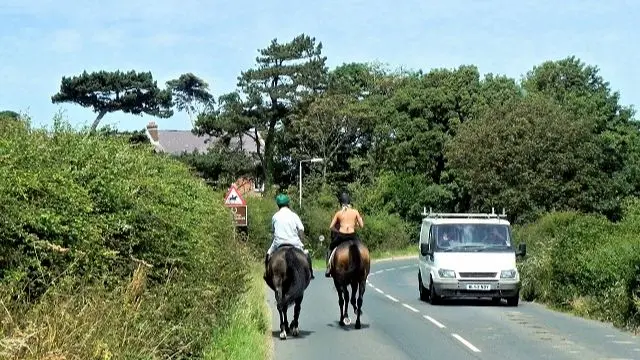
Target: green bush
[[585, 264], [259, 213], [87, 220], [382, 231]]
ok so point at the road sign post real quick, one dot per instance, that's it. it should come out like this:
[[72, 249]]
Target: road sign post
[[238, 206]]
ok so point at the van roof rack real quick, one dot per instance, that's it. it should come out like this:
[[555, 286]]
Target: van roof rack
[[492, 215]]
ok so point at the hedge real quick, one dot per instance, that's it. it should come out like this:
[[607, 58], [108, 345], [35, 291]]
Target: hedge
[[109, 249], [382, 231], [585, 264]]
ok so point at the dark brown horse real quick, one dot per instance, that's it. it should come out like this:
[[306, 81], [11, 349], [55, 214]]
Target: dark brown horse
[[288, 275], [350, 265]]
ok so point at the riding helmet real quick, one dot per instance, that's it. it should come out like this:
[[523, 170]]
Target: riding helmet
[[344, 199], [282, 200]]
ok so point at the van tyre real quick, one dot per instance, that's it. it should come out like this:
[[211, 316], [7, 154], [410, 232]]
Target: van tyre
[[513, 300], [424, 295], [434, 299]]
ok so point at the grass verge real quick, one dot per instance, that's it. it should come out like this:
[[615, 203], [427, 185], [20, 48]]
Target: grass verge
[[319, 263], [245, 337]]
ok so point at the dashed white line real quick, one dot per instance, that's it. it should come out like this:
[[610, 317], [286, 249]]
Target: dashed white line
[[622, 342], [434, 321], [410, 307], [391, 298], [466, 343]]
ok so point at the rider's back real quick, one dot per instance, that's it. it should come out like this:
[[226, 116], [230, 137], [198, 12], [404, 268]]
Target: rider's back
[[347, 218]]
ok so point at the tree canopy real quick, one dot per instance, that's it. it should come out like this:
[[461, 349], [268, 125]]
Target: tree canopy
[[109, 91], [453, 139]]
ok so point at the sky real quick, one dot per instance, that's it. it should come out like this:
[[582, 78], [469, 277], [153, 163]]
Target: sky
[[43, 40]]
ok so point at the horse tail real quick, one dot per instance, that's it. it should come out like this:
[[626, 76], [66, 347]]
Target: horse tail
[[355, 262], [296, 272]]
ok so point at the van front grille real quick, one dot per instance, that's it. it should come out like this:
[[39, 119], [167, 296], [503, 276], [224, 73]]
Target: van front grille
[[478, 274]]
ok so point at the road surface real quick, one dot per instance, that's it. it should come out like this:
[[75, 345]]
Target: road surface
[[397, 325]]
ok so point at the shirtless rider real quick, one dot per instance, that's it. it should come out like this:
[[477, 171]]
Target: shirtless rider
[[343, 226]]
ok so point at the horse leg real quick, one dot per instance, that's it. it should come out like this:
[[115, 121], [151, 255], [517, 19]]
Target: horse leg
[[354, 289], [341, 305], [286, 322], [295, 331], [347, 321], [282, 311], [361, 289]]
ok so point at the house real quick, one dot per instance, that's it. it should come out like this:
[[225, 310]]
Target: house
[[177, 142]]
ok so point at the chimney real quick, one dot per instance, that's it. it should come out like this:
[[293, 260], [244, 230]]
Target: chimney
[[152, 127]]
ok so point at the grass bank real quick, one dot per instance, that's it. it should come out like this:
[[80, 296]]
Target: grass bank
[[247, 336]]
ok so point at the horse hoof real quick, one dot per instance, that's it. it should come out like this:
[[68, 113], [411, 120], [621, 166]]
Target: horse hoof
[[347, 321], [358, 325], [295, 332], [283, 335]]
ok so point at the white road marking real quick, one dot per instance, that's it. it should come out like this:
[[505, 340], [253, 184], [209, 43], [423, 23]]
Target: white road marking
[[391, 298], [410, 307], [434, 321], [622, 342], [370, 284], [391, 269], [466, 343], [380, 291]]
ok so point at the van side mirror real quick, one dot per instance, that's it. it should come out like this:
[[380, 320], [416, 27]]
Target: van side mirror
[[424, 249], [522, 250]]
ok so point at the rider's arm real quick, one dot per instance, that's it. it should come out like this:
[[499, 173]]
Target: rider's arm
[[333, 221], [360, 221], [300, 228]]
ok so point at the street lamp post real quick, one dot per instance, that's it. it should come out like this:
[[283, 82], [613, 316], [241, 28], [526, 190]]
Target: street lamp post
[[314, 160]]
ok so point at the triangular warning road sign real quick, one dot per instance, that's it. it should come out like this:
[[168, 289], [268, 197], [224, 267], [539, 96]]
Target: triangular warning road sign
[[233, 197]]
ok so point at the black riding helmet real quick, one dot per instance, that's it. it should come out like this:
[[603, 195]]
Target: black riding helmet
[[344, 199]]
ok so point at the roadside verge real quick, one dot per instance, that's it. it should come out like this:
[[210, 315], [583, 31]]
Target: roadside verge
[[246, 337]]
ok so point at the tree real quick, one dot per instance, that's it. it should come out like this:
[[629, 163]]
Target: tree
[[285, 75], [530, 155], [191, 95], [9, 115], [334, 124], [580, 90], [106, 92]]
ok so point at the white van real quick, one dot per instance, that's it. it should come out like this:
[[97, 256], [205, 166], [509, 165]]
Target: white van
[[468, 255]]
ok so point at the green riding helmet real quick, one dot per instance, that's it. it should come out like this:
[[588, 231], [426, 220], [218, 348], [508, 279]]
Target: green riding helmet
[[282, 200]]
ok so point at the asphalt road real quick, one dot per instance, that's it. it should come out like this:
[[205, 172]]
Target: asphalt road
[[397, 325]]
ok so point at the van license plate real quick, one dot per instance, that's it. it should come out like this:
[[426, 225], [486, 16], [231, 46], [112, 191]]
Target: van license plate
[[478, 287]]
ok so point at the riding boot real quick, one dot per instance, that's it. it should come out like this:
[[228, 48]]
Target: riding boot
[[310, 265], [327, 273]]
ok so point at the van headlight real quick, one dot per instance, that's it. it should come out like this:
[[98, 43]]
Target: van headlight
[[508, 274], [446, 273]]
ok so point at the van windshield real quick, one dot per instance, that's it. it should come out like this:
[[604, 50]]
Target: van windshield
[[473, 238]]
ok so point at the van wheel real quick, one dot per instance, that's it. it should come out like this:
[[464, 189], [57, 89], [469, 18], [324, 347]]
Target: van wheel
[[513, 300], [434, 299], [424, 295]]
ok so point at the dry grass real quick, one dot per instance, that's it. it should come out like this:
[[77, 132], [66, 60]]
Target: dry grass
[[90, 323]]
